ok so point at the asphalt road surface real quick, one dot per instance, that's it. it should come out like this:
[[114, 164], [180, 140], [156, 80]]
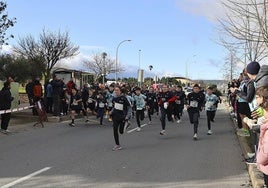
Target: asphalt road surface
[[63, 156]]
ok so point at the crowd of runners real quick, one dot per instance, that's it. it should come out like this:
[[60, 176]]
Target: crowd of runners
[[122, 104]]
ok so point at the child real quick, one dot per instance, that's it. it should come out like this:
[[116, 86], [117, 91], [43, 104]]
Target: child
[[140, 106], [101, 106], [211, 107], [75, 105], [262, 153]]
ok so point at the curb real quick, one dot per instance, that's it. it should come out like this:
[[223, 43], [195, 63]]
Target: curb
[[255, 175]]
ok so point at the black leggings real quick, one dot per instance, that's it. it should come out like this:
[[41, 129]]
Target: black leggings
[[118, 124], [210, 117], [5, 120], [139, 116], [193, 116]]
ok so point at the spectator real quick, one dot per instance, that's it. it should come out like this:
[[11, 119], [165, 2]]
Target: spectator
[[37, 93], [6, 99], [70, 85], [57, 86], [29, 92], [49, 99], [262, 153]]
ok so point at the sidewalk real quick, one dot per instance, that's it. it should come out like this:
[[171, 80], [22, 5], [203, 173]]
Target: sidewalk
[[256, 176]]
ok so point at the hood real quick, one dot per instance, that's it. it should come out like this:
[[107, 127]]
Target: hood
[[262, 77]]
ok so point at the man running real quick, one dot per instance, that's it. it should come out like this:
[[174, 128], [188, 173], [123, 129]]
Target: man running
[[194, 104]]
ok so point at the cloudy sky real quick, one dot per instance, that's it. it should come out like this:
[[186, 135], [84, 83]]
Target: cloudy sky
[[176, 37]]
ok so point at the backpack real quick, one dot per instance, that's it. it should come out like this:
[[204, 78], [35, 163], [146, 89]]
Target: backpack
[[37, 90]]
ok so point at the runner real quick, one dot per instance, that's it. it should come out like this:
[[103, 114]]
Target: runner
[[140, 106], [194, 105], [75, 105], [211, 107], [164, 98], [120, 113], [150, 103]]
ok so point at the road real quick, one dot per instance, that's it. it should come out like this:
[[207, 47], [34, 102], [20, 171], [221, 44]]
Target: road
[[63, 156]]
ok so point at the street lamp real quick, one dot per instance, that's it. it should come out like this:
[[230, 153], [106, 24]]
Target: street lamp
[[116, 59], [104, 54], [150, 68]]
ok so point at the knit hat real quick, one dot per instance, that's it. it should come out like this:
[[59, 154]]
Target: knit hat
[[253, 68]]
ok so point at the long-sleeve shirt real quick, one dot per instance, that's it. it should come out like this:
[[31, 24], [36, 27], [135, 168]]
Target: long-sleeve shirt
[[139, 101], [211, 102]]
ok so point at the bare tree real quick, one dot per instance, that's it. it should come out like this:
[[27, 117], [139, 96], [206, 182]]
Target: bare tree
[[240, 28], [50, 48], [99, 66], [5, 23]]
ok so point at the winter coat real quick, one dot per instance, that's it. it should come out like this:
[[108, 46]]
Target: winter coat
[[262, 154], [5, 99], [262, 77]]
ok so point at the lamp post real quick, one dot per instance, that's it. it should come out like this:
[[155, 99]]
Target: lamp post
[[104, 54], [150, 68], [116, 59]]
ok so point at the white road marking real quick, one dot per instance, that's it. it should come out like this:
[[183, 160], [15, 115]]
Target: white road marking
[[25, 178], [143, 125]]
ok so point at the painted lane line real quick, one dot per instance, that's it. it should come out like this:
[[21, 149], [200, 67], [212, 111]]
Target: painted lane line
[[143, 125], [11, 184]]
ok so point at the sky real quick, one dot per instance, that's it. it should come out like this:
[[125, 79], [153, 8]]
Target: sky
[[176, 37]]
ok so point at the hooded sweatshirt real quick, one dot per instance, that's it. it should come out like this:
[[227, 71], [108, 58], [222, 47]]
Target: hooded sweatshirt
[[262, 77], [262, 154]]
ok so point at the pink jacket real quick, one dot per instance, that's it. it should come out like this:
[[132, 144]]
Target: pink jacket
[[262, 154]]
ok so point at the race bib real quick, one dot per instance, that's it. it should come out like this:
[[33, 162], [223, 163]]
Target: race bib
[[89, 100], [101, 105], [178, 102], [210, 104], [118, 106], [194, 104], [165, 105], [110, 104]]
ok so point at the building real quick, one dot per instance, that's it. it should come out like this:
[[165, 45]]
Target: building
[[79, 77]]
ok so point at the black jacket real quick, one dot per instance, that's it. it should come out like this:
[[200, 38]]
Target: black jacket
[[5, 99]]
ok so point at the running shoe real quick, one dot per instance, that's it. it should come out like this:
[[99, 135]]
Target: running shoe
[[72, 124], [163, 132], [209, 132], [138, 129], [195, 136], [178, 121], [116, 147]]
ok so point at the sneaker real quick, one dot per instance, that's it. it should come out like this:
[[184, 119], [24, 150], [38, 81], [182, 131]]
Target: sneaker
[[116, 147], [243, 133], [4, 131], [149, 122], [110, 119], [250, 155], [209, 132], [251, 160], [195, 136], [178, 121], [163, 132], [72, 124], [138, 129]]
